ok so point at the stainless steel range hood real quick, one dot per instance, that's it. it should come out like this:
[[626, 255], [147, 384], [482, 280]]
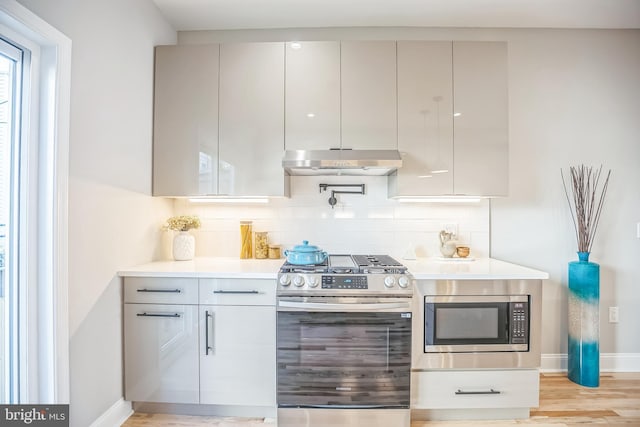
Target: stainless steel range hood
[[341, 162]]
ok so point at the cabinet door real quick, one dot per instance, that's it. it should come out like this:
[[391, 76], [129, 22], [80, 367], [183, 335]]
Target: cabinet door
[[185, 134], [239, 366], [160, 353], [481, 118], [368, 73], [425, 119], [251, 119], [312, 95]]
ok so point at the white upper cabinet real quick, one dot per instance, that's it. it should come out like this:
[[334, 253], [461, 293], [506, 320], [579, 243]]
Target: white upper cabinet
[[251, 119], [425, 119], [312, 95], [481, 123], [368, 73], [452, 119], [185, 135]]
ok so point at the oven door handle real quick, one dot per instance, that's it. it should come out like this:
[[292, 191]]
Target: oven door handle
[[361, 306]]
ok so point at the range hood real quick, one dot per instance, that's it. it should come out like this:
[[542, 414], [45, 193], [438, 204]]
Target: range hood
[[341, 162]]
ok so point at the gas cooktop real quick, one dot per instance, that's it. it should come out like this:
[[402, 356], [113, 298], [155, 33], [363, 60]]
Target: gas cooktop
[[340, 274]]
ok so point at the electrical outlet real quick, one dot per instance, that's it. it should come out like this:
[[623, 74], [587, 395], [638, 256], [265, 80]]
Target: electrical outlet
[[613, 315], [450, 227], [638, 230]]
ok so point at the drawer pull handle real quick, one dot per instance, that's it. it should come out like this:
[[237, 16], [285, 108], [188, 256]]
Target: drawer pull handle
[[174, 315], [170, 291], [490, 391], [222, 291]]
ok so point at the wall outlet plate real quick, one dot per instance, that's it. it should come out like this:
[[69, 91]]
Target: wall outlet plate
[[613, 315]]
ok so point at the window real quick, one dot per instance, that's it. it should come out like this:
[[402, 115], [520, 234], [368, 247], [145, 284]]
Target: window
[[34, 127]]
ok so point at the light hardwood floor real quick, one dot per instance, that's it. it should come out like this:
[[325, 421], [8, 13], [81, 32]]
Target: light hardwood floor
[[562, 403]]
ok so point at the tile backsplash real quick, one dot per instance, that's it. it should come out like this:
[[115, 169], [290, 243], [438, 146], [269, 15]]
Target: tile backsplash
[[369, 224]]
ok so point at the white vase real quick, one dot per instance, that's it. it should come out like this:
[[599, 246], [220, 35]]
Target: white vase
[[184, 246]]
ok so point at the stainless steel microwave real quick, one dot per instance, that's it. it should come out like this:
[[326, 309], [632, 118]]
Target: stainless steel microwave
[[476, 323]]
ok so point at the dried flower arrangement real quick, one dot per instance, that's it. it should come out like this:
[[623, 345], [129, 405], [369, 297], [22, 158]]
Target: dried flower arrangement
[[182, 223], [586, 201]]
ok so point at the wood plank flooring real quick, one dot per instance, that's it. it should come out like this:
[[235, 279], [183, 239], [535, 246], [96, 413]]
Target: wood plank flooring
[[616, 403]]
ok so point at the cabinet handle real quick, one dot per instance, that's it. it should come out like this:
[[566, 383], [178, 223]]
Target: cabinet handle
[[222, 291], [171, 291], [490, 391], [145, 314], [207, 347]]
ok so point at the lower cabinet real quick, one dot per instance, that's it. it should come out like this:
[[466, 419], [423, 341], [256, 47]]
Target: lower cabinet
[[161, 345], [237, 355], [475, 389], [201, 341]]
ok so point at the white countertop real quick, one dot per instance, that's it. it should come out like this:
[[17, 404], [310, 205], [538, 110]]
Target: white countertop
[[422, 268], [221, 268], [478, 269]]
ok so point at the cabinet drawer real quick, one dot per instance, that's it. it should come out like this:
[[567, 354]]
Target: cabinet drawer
[[160, 290], [238, 292], [475, 389]]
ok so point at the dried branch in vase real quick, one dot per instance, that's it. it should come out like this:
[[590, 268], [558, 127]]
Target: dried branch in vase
[[585, 196]]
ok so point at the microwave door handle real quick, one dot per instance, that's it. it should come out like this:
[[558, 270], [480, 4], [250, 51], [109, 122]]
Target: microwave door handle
[[343, 306]]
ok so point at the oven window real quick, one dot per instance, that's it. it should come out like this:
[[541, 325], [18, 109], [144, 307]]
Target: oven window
[[466, 323], [346, 359]]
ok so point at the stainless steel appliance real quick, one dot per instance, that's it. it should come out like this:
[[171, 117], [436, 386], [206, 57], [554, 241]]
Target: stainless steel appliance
[[344, 343], [477, 324]]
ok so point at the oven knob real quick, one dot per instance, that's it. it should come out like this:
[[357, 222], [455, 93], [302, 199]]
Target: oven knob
[[389, 281], [298, 281], [313, 281], [403, 282], [284, 280]]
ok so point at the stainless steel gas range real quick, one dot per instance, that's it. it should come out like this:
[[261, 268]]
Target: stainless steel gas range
[[344, 342]]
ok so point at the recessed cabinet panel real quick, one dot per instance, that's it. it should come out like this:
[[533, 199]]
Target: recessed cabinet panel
[[251, 119], [480, 82], [425, 121], [238, 355], [312, 91], [368, 70], [185, 136], [161, 350]]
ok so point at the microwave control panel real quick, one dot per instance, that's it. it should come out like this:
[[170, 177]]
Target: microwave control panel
[[519, 324]]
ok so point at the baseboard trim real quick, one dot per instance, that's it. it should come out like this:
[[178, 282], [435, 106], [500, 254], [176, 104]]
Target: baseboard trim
[[609, 362], [116, 415]]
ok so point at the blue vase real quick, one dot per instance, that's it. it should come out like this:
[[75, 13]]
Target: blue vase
[[584, 322]]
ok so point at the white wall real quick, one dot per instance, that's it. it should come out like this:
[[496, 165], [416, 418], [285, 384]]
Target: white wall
[[574, 98], [113, 221], [369, 224]]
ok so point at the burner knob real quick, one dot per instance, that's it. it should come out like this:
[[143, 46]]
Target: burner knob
[[298, 281], [389, 281], [403, 282], [313, 281], [284, 280]]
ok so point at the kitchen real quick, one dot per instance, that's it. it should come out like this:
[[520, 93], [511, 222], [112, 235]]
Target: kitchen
[[572, 99]]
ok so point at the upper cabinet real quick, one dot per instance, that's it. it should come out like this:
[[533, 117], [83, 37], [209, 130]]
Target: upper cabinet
[[368, 74], [452, 119], [252, 119], [425, 120], [185, 125], [341, 95], [312, 95], [481, 122], [219, 120]]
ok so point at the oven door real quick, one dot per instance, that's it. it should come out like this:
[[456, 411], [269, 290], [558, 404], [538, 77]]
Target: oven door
[[343, 352], [478, 323]]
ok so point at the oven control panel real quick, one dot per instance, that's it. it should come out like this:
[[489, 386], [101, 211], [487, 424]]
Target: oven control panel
[[344, 282]]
